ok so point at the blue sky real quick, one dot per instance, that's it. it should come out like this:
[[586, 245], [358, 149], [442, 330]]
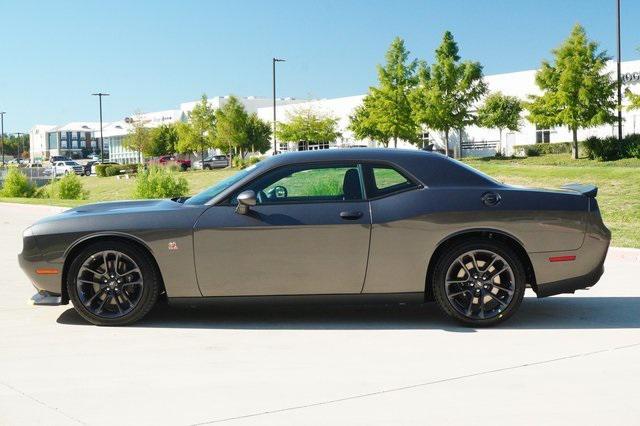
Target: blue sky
[[152, 55]]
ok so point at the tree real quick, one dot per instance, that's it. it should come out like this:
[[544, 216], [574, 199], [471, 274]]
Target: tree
[[364, 126], [258, 134], [163, 141], [500, 112], [576, 92], [198, 133], [308, 125], [231, 127], [387, 106], [139, 137], [634, 99], [447, 91]]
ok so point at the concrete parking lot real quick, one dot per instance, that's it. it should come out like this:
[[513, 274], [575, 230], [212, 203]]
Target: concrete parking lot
[[567, 359]]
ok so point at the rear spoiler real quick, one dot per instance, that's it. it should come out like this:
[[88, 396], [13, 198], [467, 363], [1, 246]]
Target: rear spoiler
[[587, 190]]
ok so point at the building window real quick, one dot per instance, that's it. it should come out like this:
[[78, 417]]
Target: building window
[[543, 135], [283, 146], [312, 146]]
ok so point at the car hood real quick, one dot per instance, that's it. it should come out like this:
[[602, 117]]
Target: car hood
[[115, 207]]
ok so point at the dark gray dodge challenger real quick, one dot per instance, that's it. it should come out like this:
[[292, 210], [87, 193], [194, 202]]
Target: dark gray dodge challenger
[[357, 225]]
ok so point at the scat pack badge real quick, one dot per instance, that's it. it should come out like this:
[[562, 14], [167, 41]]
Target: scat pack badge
[[172, 246]]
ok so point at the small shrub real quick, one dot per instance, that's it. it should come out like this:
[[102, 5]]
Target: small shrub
[[239, 162], [101, 170], [68, 188], [633, 145], [531, 151], [253, 160], [160, 182], [16, 184], [113, 170]]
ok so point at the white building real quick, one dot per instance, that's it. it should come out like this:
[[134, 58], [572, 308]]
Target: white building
[[77, 138], [476, 141]]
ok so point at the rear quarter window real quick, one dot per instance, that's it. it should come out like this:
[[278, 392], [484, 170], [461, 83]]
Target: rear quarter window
[[385, 179]]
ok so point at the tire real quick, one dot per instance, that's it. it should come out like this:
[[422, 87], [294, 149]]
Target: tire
[[87, 173], [207, 167], [456, 290], [138, 291]]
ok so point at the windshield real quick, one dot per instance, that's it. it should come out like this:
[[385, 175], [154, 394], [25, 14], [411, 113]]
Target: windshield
[[70, 163], [216, 189]]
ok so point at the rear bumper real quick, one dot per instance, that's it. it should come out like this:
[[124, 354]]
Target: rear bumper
[[570, 285]]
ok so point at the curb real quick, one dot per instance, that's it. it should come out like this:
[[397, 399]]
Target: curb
[[624, 254]]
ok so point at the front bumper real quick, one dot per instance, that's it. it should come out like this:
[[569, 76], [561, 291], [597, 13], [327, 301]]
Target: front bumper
[[44, 298], [47, 285]]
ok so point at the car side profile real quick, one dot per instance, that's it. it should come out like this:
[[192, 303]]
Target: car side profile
[[358, 225], [212, 162], [67, 167]]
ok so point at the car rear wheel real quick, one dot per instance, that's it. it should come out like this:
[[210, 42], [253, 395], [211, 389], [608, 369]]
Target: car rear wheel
[[112, 283], [479, 282]]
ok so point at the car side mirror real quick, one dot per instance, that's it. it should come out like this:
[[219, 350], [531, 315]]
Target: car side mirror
[[246, 199]]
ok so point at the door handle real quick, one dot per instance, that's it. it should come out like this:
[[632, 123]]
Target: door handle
[[351, 215]]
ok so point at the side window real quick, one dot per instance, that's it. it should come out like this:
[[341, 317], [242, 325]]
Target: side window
[[384, 180], [308, 183]]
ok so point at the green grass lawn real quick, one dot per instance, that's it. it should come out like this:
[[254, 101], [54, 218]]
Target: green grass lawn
[[618, 186]]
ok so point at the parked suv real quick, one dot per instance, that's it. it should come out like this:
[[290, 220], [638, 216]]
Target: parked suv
[[56, 158], [212, 162], [67, 167]]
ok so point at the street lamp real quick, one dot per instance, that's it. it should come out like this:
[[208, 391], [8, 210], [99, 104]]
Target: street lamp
[[100, 95], [275, 142], [619, 75], [19, 135], [2, 113]]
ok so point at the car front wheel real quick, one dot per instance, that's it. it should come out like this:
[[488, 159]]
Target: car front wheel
[[112, 283], [479, 282]]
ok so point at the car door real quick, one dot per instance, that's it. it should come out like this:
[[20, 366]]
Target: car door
[[308, 234]]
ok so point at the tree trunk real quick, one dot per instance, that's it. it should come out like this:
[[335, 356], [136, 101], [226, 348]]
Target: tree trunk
[[575, 143], [446, 142], [395, 142], [500, 142], [459, 153]]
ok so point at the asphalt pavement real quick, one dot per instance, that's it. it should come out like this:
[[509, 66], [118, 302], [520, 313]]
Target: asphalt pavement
[[571, 359]]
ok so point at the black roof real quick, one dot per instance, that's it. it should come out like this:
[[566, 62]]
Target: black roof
[[358, 154], [432, 169]]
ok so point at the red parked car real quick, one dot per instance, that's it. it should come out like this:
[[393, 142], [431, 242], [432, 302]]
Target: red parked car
[[168, 160]]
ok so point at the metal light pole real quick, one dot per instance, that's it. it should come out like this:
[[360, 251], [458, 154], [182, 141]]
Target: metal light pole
[[275, 142], [619, 75], [100, 95], [20, 134], [2, 113]]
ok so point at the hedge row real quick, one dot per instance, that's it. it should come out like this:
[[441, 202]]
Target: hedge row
[[104, 170], [610, 149], [535, 150]]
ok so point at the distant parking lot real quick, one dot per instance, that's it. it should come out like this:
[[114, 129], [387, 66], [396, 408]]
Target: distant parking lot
[[561, 360]]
